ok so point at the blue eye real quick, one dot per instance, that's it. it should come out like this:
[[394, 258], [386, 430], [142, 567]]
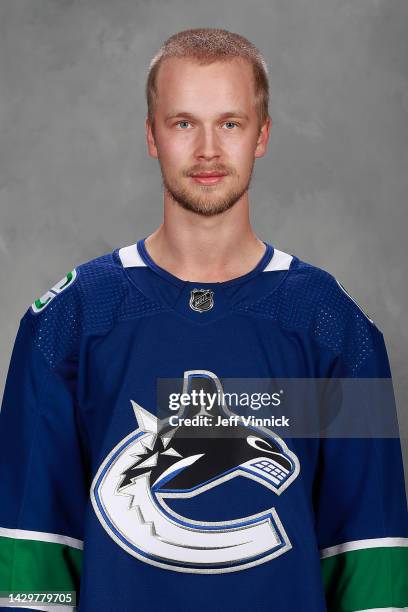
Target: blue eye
[[185, 124]]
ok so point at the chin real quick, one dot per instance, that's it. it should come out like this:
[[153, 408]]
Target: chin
[[207, 209]]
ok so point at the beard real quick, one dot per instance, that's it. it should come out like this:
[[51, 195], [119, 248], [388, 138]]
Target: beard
[[204, 199]]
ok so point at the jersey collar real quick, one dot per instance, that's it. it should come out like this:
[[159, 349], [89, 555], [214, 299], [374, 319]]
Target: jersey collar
[[144, 256]]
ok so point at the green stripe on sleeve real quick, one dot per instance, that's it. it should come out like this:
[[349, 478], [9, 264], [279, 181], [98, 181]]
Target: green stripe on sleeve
[[32, 565], [366, 578]]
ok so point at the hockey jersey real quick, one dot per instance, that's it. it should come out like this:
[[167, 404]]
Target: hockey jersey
[[105, 500]]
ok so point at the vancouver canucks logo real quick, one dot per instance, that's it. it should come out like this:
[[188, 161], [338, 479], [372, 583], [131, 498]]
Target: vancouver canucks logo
[[201, 300], [154, 464], [42, 302]]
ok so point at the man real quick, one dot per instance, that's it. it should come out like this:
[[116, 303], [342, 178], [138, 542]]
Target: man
[[104, 493]]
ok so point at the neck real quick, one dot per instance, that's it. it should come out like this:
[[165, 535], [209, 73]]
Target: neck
[[206, 249]]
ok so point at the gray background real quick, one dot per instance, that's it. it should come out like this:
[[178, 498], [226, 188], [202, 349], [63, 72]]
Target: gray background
[[75, 179]]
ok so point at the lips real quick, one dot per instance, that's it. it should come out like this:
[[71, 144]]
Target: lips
[[208, 178]]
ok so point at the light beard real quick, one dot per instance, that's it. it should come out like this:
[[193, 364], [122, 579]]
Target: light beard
[[207, 206]]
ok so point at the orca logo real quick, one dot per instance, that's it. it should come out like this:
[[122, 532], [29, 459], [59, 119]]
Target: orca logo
[[153, 464]]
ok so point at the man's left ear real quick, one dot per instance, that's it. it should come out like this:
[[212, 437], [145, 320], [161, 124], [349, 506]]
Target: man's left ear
[[263, 137]]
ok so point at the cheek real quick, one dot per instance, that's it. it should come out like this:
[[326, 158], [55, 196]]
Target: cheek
[[241, 155], [174, 151], [240, 144], [168, 162]]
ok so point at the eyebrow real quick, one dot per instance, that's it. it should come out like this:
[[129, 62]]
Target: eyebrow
[[232, 113]]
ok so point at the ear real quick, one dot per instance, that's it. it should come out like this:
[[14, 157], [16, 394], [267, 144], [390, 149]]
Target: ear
[[263, 137], [151, 144]]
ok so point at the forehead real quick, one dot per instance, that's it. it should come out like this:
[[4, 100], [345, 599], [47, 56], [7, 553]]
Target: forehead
[[185, 84]]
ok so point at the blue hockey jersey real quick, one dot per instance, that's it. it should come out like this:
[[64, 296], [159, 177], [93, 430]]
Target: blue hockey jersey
[[97, 499]]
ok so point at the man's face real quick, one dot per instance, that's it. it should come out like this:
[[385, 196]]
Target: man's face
[[206, 132]]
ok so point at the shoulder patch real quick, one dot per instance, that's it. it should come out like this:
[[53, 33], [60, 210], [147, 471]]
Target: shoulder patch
[[356, 303], [42, 302]]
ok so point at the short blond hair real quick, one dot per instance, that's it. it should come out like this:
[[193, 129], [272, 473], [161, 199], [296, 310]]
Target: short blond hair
[[205, 46]]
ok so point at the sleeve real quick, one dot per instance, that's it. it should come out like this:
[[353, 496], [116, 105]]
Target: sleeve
[[43, 475], [360, 498]]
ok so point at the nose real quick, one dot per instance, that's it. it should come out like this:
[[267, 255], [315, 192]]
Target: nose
[[208, 146]]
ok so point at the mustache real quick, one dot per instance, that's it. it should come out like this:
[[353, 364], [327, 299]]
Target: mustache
[[214, 168]]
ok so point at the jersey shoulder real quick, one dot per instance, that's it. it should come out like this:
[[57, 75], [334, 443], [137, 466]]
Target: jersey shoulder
[[322, 292], [336, 320], [315, 301], [100, 273], [89, 298], [305, 290]]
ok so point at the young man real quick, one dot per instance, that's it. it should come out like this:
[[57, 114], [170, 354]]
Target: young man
[[103, 496]]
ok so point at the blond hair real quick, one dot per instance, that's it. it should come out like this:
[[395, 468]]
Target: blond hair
[[205, 46]]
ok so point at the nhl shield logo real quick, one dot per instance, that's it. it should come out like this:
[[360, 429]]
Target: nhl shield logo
[[201, 300]]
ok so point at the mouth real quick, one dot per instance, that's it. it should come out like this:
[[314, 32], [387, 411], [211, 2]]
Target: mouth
[[208, 178]]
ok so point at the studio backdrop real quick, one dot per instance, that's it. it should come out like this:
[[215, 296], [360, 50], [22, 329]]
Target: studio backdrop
[[76, 180]]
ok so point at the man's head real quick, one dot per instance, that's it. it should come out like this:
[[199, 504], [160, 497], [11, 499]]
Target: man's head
[[207, 95]]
